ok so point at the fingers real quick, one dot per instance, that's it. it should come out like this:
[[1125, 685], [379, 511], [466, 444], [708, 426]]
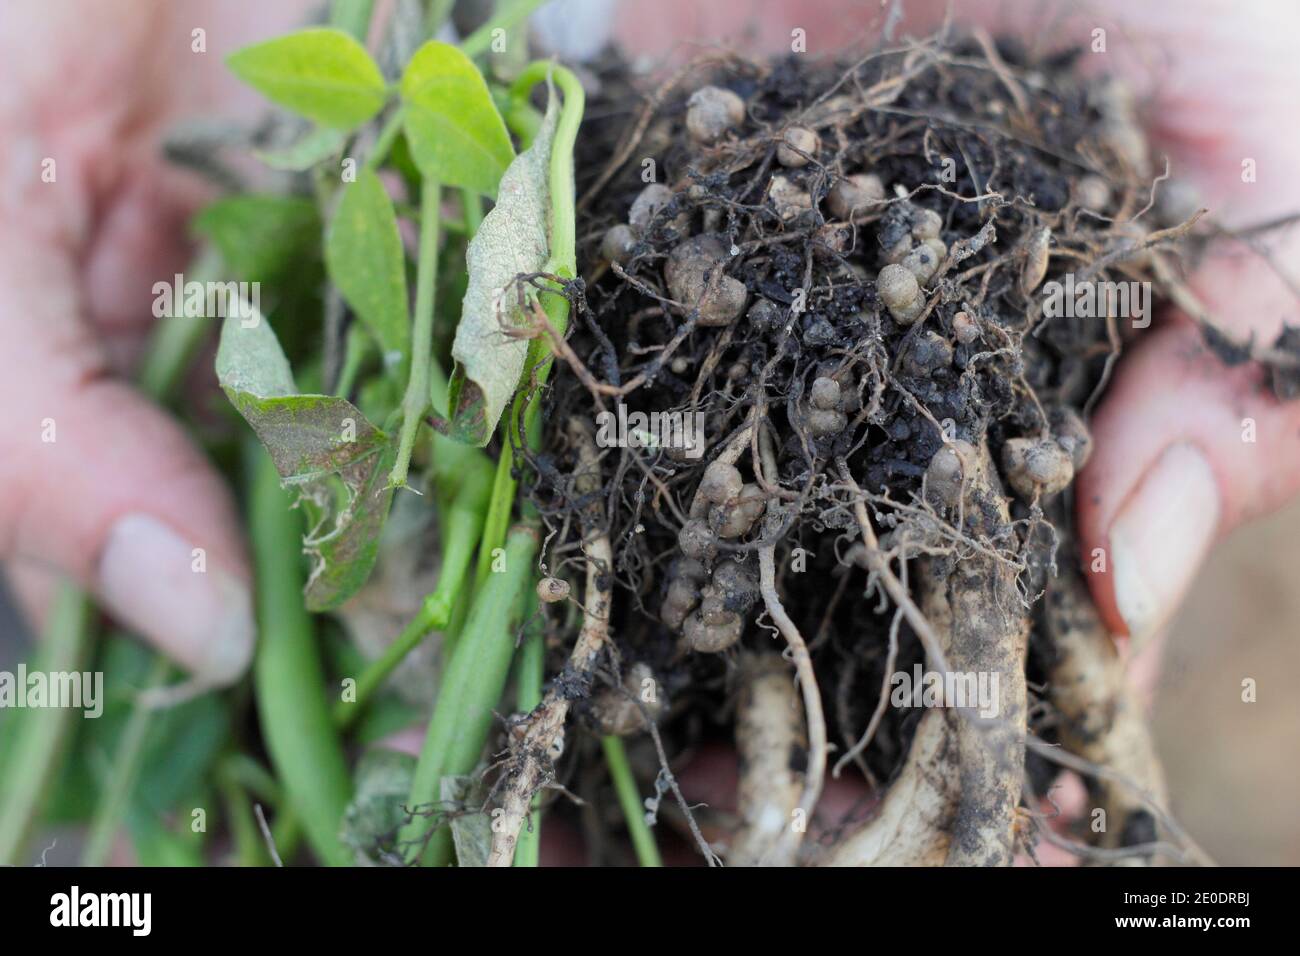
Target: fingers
[[103, 486], [1186, 449], [681, 29]]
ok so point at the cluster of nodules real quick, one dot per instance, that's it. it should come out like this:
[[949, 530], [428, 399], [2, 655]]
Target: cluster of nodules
[[911, 249], [709, 591], [1038, 466], [912, 252], [1035, 466]]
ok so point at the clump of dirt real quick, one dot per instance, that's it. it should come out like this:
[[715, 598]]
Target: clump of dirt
[[841, 273]]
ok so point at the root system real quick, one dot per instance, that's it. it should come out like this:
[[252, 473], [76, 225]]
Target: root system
[[838, 272]]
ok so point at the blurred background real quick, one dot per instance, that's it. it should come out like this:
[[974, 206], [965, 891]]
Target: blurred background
[[1234, 777]]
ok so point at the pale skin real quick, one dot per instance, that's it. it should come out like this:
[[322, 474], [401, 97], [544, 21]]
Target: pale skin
[[90, 89], [92, 86]]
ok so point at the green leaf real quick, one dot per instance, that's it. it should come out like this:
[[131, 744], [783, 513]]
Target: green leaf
[[452, 126], [383, 779], [315, 147], [322, 446], [184, 743], [183, 740], [363, 252], [471, 830], [260, 237], [343, 538], [323, 74], [513, 239]]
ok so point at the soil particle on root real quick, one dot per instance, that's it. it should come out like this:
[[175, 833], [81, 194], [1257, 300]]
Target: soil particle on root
[[838, 279]]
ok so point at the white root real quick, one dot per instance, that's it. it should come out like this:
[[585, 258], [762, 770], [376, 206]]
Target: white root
[[812, 698], [530, 766], [1101, 718], [954, 802], [772, 746], [911, 825], [989, 635]]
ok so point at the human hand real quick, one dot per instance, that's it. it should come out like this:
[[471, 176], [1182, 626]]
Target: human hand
[[96, 482]]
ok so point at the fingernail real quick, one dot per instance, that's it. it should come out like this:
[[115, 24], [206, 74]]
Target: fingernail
[[157, 583], [1161, 536]]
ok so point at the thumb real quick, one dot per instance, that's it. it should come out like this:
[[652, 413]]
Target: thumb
[[1187, 448], [100, 484]]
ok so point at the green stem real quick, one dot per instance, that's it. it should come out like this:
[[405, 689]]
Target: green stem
[[352, 16], [498, 516], [249, 849], [42, 734], [156, 846], [115, 796], [473, 206], [506, 64], [253, 777], [416, 399], [286, 834], [497, 520], [388, 134], [471, 688], [507, 16], [643, 841], [355, 353], [524, 120], [259, 783], [378, 670], [287, 676], [563, 203], [436, 16], [463, 519], [177, 337], [461, 479], [528, 694]]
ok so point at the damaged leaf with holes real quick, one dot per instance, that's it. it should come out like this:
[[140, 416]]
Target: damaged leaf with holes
[[323, 448]]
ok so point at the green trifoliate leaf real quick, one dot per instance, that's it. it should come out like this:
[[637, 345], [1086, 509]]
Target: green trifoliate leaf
[[513, 240], [322, 74], [453, 128], [363, 252], [322, 446]]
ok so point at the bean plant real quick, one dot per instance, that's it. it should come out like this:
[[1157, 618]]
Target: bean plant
[[425, 222]]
